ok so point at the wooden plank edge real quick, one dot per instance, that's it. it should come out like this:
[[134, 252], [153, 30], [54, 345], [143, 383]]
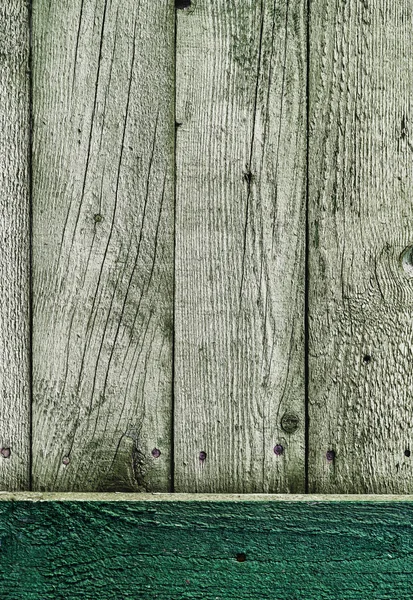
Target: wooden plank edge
[[178, 497]]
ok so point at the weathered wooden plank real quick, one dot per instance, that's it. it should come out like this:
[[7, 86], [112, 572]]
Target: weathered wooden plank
[[183, 497], [241, 137], [168, 550], [103, 169], [14, 246], [361, 289]]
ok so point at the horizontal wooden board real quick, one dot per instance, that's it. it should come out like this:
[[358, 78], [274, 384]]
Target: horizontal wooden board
[[176, 550], [182, 497]]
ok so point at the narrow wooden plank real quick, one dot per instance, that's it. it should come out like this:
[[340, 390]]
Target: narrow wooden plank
[[183, 497], [241, 138], [103, 244], [277, 550], [14, 246], [360, 295]]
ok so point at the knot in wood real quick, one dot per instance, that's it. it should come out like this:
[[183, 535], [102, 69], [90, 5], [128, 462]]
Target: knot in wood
[[406, 261], [289, 422]]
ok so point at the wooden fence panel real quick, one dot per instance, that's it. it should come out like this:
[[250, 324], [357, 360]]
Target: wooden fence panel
[[14, 246], [103, 175], [240, 229], [360, 259]]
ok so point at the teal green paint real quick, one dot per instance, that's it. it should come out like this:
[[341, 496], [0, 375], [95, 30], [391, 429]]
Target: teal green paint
[[177, 550]]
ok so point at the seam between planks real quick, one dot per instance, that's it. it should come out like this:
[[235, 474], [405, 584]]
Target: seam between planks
[[172, 468], [30, 163], [306, 266]]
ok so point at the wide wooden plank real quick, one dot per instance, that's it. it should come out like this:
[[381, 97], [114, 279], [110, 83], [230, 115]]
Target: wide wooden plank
[[173, 550], [240, 156], [360, 222], [14, 246], [103, 177]]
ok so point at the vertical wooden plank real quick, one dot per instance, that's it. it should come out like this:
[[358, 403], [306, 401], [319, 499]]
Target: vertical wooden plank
[[241, 141], [103, 244], [14, 246], [361, 285]]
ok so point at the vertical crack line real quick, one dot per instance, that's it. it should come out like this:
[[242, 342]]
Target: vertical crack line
[[173, 399], [306, 261], [30, 235]]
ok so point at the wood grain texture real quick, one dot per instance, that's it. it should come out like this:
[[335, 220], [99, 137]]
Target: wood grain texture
[[360, 219], [240, 156], [103, 177], [183, 497], [14, 246], [172, 550]]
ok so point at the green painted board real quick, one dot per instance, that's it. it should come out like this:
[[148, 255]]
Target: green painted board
[[277, 549]]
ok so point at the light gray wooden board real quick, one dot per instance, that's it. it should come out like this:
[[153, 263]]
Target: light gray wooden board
[[103, 174], [14, 246], [239, 348], [361, 209]]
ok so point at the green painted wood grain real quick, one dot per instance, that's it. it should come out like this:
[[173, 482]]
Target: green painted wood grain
[[176, 550]]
